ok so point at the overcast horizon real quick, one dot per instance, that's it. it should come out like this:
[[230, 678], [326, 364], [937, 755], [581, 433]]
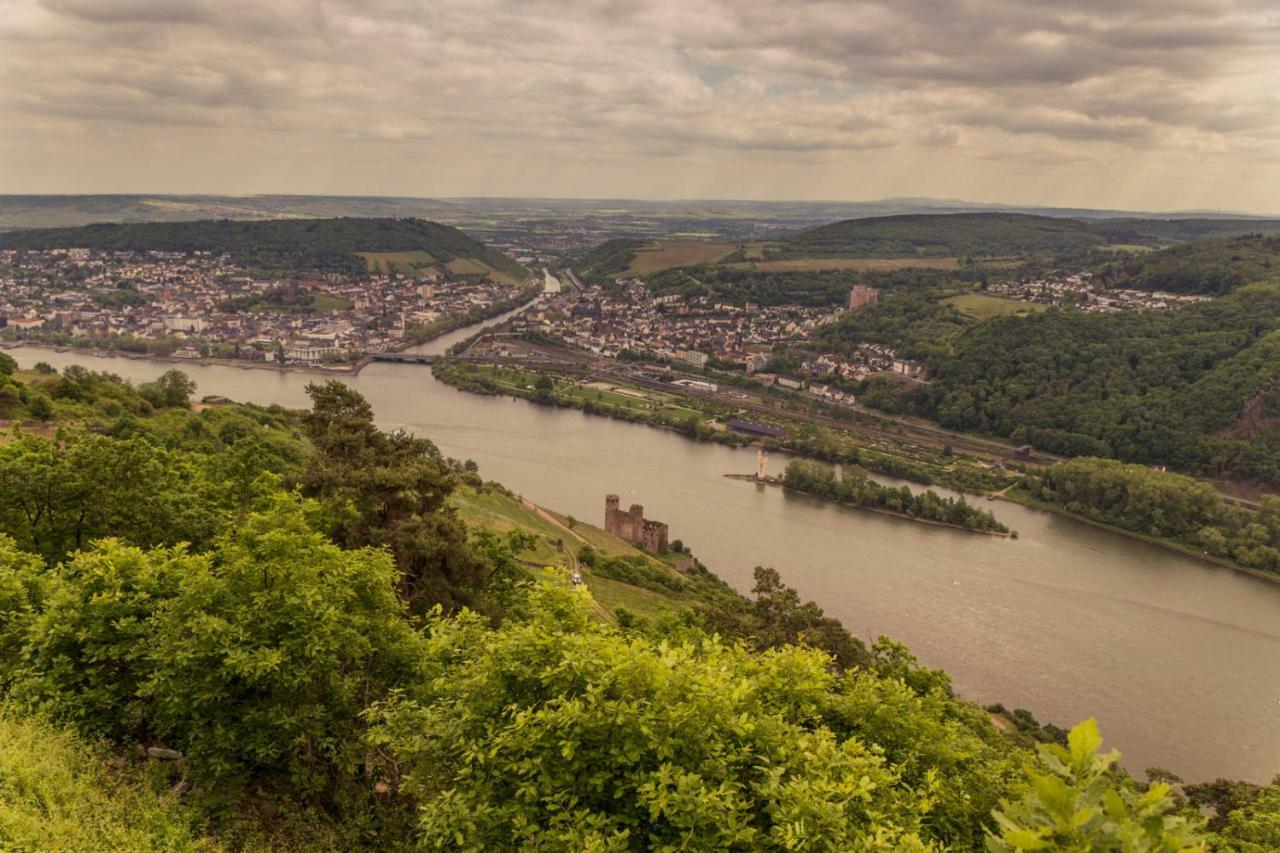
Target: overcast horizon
[[1161, 106], [944, 205]]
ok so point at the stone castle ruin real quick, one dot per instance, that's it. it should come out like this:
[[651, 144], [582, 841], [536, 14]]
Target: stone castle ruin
[[633, 526]]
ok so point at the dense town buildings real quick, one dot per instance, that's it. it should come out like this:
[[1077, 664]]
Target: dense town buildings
[[689, 330], [197, 304]]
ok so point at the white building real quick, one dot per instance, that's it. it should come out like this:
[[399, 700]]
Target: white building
[[308, 354], [189, 325]]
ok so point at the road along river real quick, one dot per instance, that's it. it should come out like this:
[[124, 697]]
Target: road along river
[[1178, 659]]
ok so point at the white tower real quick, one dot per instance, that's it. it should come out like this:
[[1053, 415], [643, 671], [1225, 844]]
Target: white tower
[[762, 464]]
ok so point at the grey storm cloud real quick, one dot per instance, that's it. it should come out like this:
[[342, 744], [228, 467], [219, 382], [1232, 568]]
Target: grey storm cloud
[[805, 90]]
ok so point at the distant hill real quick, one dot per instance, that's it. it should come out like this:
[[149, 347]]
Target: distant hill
[[64, 211], [1178, 230], [723, 217], [334, 245], [943, 235], [611, 258], [998, 234], [1213, 266]]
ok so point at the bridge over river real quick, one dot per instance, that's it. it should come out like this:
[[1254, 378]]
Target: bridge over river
[[402, 357]]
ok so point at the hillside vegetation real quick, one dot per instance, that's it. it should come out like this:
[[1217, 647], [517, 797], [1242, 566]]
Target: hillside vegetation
[[738, 285], [1197, 388], [1164, 505], [283, 651], [610, 259], [941, 236], [331, 245], [1133, 230], [977, 235], [1211, 267]]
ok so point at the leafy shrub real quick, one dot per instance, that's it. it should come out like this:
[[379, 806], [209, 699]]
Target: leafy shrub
[[557, 732], [255, 660], [1073, 803]]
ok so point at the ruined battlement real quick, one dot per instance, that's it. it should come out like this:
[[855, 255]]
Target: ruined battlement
[[632, 526]]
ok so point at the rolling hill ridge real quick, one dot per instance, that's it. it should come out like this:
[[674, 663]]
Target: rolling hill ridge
[[999, 234], [328, 245]]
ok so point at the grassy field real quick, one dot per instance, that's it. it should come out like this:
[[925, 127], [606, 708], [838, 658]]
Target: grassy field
[[467, 266], [423, 263], [665, 254], [326, 302], [639, 400], [635, 399], [855, 264], [319, 302], [982, 307], [406, 263]]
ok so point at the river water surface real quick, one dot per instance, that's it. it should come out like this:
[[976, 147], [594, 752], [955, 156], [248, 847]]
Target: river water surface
[[1179, 660]]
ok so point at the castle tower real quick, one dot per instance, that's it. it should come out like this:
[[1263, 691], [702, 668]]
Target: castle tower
[[762, 464], [611, 514], [636, 533]]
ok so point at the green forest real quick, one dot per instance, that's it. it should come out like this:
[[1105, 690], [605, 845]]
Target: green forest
[[977, 235], [854, 487], [611, 258], [1163, 505], [1211, 267], [760, 287], [252, 629], [1197, 388], [326, 245], [941, 236]]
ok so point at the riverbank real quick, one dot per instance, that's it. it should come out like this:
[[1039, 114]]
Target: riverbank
[[704, 420], [1020, 497], [428, 333], [346, 369], [775, 481]]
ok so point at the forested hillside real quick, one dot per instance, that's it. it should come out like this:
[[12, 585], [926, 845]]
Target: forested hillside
[[611, 258], [1125, 229], [947, 235], [280, 244], [1212, 267], [1196, 388], [999, 234], [760, 287], [282, 635]]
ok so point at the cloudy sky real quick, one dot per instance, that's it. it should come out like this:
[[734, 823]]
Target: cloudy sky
[[1138, 104]]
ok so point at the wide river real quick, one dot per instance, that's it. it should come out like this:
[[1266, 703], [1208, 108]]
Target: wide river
[[1179, 660]]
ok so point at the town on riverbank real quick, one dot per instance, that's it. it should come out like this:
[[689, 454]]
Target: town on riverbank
[[198, 306]]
